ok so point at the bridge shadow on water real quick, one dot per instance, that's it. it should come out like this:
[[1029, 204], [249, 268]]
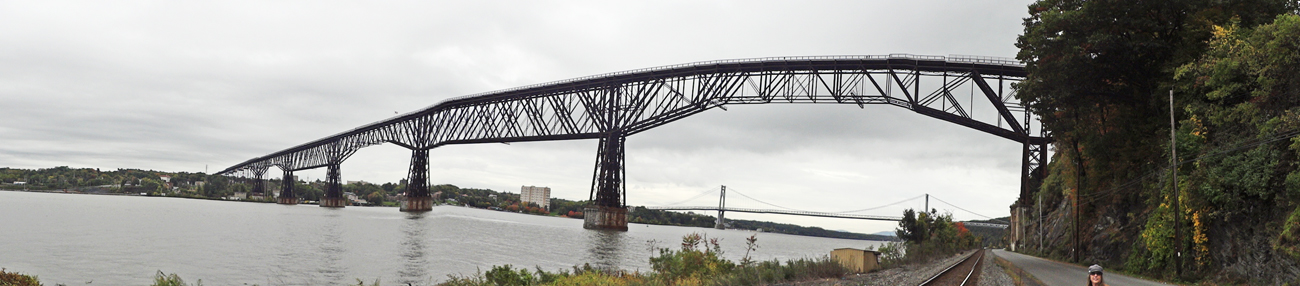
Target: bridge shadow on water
[[415, 264], [605, 248], [332, 248]]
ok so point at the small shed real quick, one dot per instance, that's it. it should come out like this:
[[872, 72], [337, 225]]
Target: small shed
[[857, 260]]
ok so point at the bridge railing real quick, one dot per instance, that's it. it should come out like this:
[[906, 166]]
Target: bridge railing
[[951, 58], [985, 60]]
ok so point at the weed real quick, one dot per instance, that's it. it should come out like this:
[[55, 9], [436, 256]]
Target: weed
[[16, 279], [163, 279]]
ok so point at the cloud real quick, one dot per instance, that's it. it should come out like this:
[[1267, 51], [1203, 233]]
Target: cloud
[[180, 85]]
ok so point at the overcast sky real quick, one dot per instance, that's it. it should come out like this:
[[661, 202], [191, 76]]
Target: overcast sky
[[189, 86]]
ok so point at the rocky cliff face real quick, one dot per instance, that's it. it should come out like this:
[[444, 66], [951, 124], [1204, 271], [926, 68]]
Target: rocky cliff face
[[1240, 247]]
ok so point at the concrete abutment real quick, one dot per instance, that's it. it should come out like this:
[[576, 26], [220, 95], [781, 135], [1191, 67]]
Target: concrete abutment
[[286, 200], [333, 202], [417, 204], [606, 218]]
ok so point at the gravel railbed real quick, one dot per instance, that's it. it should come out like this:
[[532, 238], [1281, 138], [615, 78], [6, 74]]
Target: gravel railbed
[[993, 275], [911, 274]]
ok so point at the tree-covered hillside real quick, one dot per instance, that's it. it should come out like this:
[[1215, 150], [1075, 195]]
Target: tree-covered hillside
[[1100, 75]]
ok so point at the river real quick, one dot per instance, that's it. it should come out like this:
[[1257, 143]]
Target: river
[[124, 240]]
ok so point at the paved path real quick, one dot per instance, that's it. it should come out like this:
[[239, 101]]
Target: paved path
[[1058, 273]]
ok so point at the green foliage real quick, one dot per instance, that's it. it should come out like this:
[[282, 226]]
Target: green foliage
[[914, 228], [891, 254], [767, 226], [506, 276], [1231, 181], [16, 279], [691, 262], [1155, 251], [1100, 74], [1289, 240], [163, 279], [773, 271], [696, 263], [647, 216], [95, 181], [1242, 94], [927, 234]]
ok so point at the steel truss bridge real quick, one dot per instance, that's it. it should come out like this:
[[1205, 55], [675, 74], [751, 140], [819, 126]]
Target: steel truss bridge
[[610, 107]]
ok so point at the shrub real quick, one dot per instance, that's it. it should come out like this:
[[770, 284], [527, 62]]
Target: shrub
[[891, 254], [773, 271], [15, 279], [698, 262], [163, 279], [691, 263]]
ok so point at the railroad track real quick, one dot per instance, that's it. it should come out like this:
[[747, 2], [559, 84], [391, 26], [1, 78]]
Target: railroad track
[[963, 273]]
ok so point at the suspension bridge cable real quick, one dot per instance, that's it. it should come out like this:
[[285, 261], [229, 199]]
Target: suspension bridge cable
[[706, 192], [766, 203], [955, 206], [873, 208], [793, 209]]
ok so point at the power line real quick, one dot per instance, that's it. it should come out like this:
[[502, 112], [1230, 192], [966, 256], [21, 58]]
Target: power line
[[1163, 172]]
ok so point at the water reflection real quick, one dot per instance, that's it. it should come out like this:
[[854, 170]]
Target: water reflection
[[332, 249], [269, 244], [414, 262], [605, 248]]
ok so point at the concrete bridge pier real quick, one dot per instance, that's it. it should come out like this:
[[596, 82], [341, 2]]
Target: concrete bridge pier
[[286, 190], [417, 184], [333, 189], [609, 211]]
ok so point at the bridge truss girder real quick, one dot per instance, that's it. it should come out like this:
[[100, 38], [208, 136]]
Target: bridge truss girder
[[613, 106]]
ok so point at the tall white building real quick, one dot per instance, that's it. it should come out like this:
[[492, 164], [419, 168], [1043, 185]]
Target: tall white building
[[537, 195]]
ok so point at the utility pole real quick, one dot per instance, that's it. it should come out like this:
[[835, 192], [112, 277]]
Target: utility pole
[[1078, 190], [1040, 224], [1178, 214], [927, 204]]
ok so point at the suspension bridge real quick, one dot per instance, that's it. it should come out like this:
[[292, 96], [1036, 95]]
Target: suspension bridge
[[722, 209]]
